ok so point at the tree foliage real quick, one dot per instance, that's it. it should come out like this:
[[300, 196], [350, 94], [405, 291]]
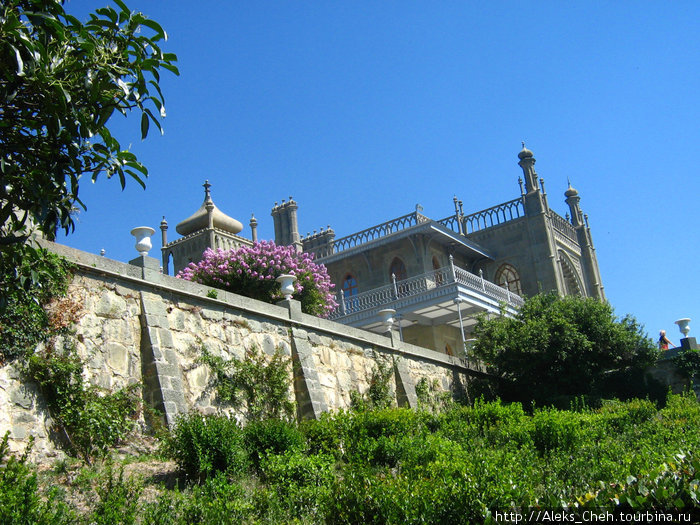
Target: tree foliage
[[61, 80], [556, 349]]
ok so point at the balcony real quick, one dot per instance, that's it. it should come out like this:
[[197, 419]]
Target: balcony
[[446, 296]]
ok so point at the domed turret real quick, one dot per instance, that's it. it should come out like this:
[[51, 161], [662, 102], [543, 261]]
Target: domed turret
[[525, 153], [571, 192], [208, 215]]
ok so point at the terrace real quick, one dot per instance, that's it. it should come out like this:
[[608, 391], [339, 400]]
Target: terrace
[[446, 296]]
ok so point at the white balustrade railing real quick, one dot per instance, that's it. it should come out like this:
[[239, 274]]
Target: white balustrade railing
[[415, 286]]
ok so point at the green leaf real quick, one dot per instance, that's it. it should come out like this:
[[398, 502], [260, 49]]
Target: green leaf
[[171, 68], [122, 6], [153, 25], [144, 125]]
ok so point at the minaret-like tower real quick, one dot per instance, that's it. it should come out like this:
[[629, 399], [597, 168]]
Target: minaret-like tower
[[164, 241], [542, 245], [254, 228], [583, 234], [534, 199]]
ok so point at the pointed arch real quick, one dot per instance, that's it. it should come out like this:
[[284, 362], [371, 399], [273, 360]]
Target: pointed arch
[[508, 277], [572, 280], [167, 258], [349, 286], [398, 269]]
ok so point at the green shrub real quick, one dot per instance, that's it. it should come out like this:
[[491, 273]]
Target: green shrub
[[118, 499], [490, 422], [365, 496], [673, 485], [681, 407], [424, 449], [327, 434], [556, 430], [217, 500], [205, 445], [271, 436], [301, 481], [92, 420], [375, 437], [387, 422], [20, 500], [620, 415]]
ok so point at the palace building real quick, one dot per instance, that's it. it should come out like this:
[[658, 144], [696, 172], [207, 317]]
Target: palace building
[[437, 275]]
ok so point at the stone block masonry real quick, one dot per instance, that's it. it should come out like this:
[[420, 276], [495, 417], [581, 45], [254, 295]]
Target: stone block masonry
[[140, 326]]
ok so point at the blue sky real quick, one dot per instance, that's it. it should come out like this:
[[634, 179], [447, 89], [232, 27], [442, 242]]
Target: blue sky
[[362, 110]]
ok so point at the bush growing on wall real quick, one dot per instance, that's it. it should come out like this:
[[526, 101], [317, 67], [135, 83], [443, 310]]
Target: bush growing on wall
[[252, 270], [26, 320], [91, 419]]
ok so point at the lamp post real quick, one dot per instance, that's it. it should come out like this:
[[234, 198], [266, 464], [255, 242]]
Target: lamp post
[[458, 301]]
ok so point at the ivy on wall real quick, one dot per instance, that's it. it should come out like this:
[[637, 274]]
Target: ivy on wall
[[258, 384], [87, 419]]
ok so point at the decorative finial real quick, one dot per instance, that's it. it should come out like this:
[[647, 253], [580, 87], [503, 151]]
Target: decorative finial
[[207, 192], [523, 143]]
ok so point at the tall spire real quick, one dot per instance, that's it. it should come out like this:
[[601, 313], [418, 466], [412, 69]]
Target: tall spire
[[527, 163], [572, 199]]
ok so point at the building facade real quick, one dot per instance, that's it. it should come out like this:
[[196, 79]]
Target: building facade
[[436, 275]]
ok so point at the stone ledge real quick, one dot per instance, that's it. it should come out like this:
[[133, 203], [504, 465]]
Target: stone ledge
[[170, 285]]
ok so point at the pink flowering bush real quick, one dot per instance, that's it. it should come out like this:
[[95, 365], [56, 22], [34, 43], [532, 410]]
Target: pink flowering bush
[[252, 270]]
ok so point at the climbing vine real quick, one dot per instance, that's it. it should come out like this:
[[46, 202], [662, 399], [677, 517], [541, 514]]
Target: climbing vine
[[35, 328], [258, 384], [87, 419], [29, 317], [379, 394]]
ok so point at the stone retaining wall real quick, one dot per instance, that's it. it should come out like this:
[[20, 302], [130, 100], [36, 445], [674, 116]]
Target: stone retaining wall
[[137, 325]]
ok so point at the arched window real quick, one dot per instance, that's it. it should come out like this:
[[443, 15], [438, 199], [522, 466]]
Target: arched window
[[439, 279], [398, 269], [509, 278], [349, 286]]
